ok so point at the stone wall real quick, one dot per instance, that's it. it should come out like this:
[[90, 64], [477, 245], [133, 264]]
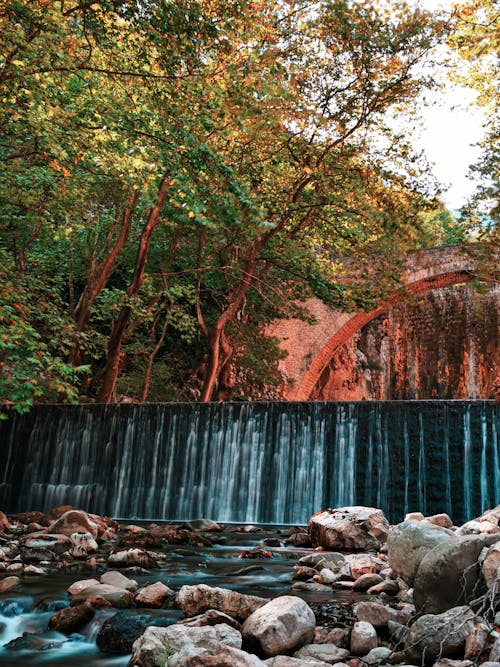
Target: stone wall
[[444, 344]]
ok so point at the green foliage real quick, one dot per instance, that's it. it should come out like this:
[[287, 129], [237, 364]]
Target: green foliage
[[258, 122], [35, 338]]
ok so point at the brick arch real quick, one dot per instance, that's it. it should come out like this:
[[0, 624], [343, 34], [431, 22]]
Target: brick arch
[[303, 388]]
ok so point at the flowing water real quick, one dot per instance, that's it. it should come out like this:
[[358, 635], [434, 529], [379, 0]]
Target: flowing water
[[30, 609], [253, 462]]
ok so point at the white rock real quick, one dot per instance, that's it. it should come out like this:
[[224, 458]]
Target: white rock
[[114, 578], [363, 638], [176, 642], [281, 625]]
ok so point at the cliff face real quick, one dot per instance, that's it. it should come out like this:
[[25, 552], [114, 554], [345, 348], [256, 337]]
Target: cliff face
[[445, 344]]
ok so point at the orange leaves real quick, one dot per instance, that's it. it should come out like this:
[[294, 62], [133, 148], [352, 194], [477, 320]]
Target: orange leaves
[[54, 164]]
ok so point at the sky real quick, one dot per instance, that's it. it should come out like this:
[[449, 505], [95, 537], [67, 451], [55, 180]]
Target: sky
[[451, 129]]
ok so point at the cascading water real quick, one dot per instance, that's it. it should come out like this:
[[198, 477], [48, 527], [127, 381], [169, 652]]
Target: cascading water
[[253, 462]]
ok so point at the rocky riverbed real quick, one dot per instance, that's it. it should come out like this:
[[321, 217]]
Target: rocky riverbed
[[80, 589]]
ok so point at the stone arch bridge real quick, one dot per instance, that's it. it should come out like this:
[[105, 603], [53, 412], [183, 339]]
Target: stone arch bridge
[[310, 347]]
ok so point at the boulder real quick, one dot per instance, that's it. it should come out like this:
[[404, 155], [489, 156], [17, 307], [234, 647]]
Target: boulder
[[304, 572], [363, 638], [72, 619], [442, 520], [224, 656], [78, 586], [115, 578], [389, 587], [377, 656], [476, 643], [360, 564], [349, 528], [379, 614], [409, 542], [205, 525], [475, 527], [449, 574], [495, 651], [9, 584], [328, 653], [488, 522], [132, 557], [58, 543], [4, 522], [326, 577], [286, 661], [366, 581], [83, 544], [74, 521], [33, 570], [112, 595], [119, 632], [282, 625], [490, 566], [194, 600], [154, 596], [439, 635], [211, 617], [178, 641]]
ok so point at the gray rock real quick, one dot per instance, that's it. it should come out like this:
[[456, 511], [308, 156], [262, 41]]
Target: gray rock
[[490, 566], [476, 643], [130, 557], [112, 595], [177, 642], [349, 528], [154, 596], [397, 632], [56, 543], [449, 574], [211, 617], [328, 653], [311, 586], [379, 614], [389, 587], [409, 542], [194, 600], [377, 655], [366, 581], [224, 656], [78, 586], [286, 661], [333, 560], [72, 619], [435, 636], [118, 633], [9, 584], [446, 662], [442, 520], [363, 638], [114, 578], [280, 626], [495, 651]]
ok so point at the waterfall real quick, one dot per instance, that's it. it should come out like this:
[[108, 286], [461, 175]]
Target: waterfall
[[253, 462]]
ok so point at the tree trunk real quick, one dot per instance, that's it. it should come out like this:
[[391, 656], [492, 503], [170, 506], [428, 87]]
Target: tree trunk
[[115, 340], [98, 280]]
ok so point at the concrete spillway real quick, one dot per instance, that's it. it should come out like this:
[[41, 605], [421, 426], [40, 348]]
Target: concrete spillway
[[253, 462]]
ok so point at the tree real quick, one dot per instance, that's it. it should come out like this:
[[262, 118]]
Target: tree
[[195, 161], [477, 42]]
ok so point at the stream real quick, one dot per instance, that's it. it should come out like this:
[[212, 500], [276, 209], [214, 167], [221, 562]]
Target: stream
[[29, 609]]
